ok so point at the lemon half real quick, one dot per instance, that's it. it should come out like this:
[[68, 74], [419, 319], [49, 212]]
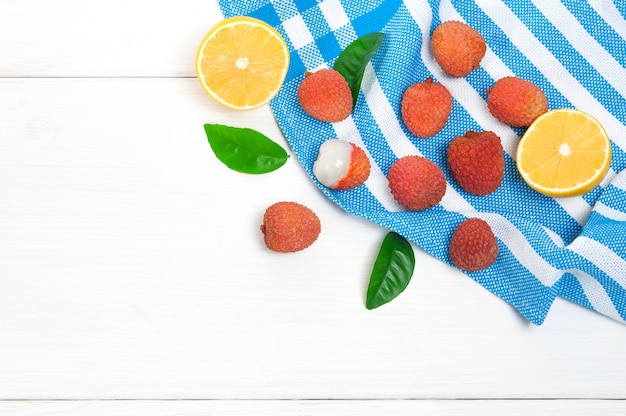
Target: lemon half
[[242, 62], [564, 152]]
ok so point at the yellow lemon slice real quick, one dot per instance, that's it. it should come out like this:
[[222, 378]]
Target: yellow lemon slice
[[564, 153], [242, 62]]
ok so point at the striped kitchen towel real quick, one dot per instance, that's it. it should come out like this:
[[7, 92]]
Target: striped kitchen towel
[[575, 50]]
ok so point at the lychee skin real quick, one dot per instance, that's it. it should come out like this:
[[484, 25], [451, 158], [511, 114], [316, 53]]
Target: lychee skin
[[358, 172], [426, 107], [325, 95], [457, 47], [416, 183], [477, 162], [289, 227], [516, 101], [341, 165], [473, 245]]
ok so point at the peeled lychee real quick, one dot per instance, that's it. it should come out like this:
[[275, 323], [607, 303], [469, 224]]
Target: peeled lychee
[[426, 107], [341, 165], [457, 47], [477, 162], [516, 101], [416, 183], [325, 95], [473, 246], [289, 226]]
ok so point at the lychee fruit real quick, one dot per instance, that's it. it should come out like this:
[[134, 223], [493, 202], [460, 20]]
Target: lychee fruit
[[341, 165], [416, 183], [289, 227], [325, 95], [473, 246], [426, 107], [477, 162], [457, 47], [516, 101]]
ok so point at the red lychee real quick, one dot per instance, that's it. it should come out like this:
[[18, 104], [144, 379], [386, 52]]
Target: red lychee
[[477, 161], [289, 226], [516, 101], [426, 107], [473, 245], [416, 183], [341, 165], [325, 95], [457, 47]]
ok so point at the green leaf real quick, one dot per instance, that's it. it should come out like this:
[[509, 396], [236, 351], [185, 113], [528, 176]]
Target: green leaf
[[392, 271], [354, 58], [245, 150]]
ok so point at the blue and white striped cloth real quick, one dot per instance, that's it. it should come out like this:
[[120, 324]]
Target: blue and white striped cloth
[[574, 49]]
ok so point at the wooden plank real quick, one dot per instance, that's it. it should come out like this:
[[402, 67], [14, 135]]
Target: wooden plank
[[132, 266], [317, 408], [64, 38]]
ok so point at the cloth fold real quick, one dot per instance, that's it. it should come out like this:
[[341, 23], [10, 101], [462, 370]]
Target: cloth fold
[[574, 50]]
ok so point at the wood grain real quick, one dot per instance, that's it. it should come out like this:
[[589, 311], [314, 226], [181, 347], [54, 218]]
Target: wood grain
[[116, 38], [316, 408]]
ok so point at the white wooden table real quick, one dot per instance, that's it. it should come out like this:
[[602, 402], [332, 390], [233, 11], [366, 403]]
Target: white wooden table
[[134, 280]]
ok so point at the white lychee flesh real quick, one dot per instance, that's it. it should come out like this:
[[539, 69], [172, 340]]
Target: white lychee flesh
[[333, 162]]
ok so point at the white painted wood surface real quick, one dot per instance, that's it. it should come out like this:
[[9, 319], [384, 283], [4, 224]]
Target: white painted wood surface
[[134, 281], [316, 407]]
